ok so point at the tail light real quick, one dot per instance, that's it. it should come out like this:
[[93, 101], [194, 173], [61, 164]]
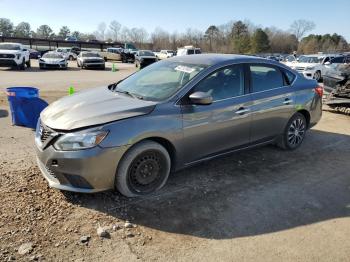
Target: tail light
[[319, 90]]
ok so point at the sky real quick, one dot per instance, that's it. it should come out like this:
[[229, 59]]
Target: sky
[[330, 16]]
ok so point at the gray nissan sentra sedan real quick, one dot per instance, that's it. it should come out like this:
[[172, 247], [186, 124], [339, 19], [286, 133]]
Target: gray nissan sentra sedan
[[130, 135]]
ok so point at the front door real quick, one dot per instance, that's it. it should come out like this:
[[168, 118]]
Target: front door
[[222, 125]]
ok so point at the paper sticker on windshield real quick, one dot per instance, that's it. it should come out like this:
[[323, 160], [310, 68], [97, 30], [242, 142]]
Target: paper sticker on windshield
[[185, 69]]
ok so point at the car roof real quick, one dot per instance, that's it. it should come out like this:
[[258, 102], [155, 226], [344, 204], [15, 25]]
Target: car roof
[[212, 59]]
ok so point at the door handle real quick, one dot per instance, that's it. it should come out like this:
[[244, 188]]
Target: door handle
[[287, 101], [242, 111]]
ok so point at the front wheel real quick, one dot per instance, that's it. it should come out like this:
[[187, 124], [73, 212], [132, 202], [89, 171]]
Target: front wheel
[[294, 132], [317, 76], [143, 169], [22, 66]]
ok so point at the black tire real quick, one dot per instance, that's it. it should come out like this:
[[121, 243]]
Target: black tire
[[22, 66], [317, 76], [103, 67], [136, 64], [71, 58], [78, 63], [294, 132], [28, 63], [143, 170]]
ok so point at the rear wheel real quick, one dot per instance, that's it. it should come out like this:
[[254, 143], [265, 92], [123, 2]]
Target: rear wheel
[[71, 58], [144, 169], [294, 132], [28, 63]]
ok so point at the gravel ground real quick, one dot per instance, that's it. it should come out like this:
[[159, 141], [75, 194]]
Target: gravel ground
[[259, 205]]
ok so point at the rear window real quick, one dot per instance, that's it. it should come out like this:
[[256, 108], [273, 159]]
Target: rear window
[[264, 77]]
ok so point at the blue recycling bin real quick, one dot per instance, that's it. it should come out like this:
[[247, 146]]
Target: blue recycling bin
[[25, 105]]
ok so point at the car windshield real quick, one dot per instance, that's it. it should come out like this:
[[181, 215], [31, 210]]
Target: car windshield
[[159, 81], [90, 55], [309, 59], [9, 47], [51, 55], [145, 53]]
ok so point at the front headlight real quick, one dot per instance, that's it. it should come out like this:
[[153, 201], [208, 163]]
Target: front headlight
[[78, 141], [62, 61]]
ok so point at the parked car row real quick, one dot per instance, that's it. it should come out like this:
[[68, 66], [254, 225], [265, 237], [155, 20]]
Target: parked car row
[[313, 66]]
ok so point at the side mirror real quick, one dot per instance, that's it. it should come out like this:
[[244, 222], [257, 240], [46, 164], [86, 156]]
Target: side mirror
[[201, 98], [327, 63]]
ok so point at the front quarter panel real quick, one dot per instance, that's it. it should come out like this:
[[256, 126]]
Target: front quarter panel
[[165, 121]]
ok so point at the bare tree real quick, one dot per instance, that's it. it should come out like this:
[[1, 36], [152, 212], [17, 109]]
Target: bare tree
[[115, 27], [300, 27], [101, 30]]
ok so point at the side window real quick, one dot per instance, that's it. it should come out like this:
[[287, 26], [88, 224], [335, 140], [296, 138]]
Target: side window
[[338, 60], [264, 77], [289, 77], [198, 51], [224, 83], [190, 51]]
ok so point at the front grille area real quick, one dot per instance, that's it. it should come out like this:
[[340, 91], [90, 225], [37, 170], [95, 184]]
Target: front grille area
[[7, 56], [93, 61]]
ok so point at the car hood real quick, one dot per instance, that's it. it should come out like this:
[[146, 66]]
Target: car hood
[[10, 52], [305, 64], [93, 107]]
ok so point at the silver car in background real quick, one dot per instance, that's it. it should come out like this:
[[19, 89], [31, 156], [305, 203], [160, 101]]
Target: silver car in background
[[87, 59], [173, 114], [53, 60]]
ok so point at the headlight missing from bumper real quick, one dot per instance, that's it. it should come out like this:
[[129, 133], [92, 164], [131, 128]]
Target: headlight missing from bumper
[[78, 141]]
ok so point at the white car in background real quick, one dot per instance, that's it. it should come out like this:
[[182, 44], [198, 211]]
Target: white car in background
[[14, 55], [311, 66], [89, 59], [188, 50], [290, 60], [67, 53], [53, 60], [164, 54]]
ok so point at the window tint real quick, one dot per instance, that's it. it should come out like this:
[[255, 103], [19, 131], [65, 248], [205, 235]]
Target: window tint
[[338, 60], [265, 78], [225, 83], [198, 51], [347, 60], [190, 51]]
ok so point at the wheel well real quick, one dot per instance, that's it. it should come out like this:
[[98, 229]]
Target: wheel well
[[306, 114], [167, 145]]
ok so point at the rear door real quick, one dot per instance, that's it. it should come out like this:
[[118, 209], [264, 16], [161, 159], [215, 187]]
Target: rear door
[[222, 125], [273, 101]]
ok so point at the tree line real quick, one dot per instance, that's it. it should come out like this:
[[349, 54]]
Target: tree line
[[242, 37]]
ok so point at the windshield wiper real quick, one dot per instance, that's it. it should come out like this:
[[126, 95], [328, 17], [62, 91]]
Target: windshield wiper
[[129, 94]]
